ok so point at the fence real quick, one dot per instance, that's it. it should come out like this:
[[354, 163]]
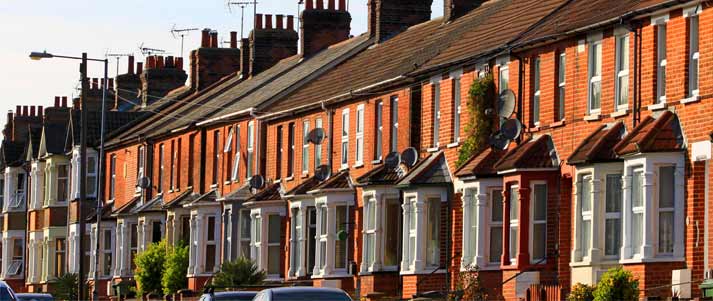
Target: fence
[[544, 292]]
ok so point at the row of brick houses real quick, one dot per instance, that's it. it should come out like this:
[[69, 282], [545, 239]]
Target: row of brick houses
[[611, 168]]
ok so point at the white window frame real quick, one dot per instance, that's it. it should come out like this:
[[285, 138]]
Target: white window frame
[[236, 162], [216, 159], [585, 246], [536, 94], [638, 210], [140, 166], [17, 262], [251, 150], [394, 143], [533, 221], [92, 180], [66, 178], [375, 211], [214, 242], [326, 235], [112, 174], [693, 15], [228, 147], [661, 32], [436, 116], [305, 146], [594, 65], [514, 224], [107, 250], [345, 139], [318, 147], [457, 101], [503, 78], [359, 136], [378, 148], [244, 239], [370, 228], [492, 192], [622, 66], [617, 216], [291, 137], [416, 217], [19, 191], [172, 173], [561, 84], [659, 209], [296, 241]]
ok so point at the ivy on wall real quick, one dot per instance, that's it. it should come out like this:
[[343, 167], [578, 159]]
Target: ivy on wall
[[479, 126]]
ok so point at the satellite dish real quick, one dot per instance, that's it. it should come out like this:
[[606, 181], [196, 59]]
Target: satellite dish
[[409, 157], [511, 129], [506, 103], [257, 182], [144, 183], [498, 141], [316, 136], [392, 160], [342, 235], [323, 172]]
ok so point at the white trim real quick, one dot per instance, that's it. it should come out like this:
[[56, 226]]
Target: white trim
[[659, 19]]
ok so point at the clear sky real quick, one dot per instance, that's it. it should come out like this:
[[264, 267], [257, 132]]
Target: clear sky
[[99, 27]]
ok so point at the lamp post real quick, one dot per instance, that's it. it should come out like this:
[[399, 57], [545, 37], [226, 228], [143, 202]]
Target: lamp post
[[83, 161]]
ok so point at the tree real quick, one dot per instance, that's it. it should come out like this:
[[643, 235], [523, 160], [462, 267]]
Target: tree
[[65, 287], [149, 269], [238, 273], [175, 268], [617, 284], [479, 126]]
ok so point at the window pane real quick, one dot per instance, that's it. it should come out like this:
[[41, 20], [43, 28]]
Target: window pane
[[586, 237], [393, 212], [637, 184], [586, 193], [514, 200], [340, 248], [540, 208], [496, 213], [612, 237], [209, 258], [513, 242], [274, 231], [666, 232], [637, 232], [370, 248], [666, 187], [244, 224], [273, 260], [433, 247], [496, 244], [539, 241]]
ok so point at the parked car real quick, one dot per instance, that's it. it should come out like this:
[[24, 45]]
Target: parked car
[[33, 297], [302, 294], [228, 296], [6, 292]]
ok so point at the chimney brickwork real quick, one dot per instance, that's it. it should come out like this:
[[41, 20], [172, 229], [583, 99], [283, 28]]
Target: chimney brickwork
[[320, 28]]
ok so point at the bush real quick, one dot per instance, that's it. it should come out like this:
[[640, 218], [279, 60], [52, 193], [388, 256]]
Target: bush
[[65, 287], [468, 282], [174, 269], [238, 273], [479, 125], [149, 269], [581, 292], [617, 284]]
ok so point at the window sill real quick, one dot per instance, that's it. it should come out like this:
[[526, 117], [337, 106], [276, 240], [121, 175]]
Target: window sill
[[425, 271], [654, 259], [278, 181], [375, 162], [304, 175], [593, 117], [489, 267], [433, 149], [290, 178], [358, 165], [558, 124], [332, 275], [620, 113], [343, 168], [211, 186], [656, 107], [224, 183], [692, 99], [454, 144]]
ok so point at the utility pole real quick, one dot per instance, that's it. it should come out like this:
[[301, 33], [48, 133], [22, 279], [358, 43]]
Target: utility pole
[[82, 170], [99, 186]]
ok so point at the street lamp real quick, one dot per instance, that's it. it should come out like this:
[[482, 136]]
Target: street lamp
[[83, 160]]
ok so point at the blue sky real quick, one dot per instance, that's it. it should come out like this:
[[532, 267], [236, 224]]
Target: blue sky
[[100, 26]]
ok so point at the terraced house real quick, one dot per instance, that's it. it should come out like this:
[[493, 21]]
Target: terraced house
[[345, 161]]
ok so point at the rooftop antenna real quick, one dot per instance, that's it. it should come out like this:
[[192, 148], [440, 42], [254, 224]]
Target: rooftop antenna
[[147, 51], [229, 4], [181, 32], [118, 57]]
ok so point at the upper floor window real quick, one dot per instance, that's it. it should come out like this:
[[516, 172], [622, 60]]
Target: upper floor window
[[227, 149], [140, 172], [305, 146], [595, 76], [360, 135], [456, 107], [622, 71], [291, 150], [345, 138], [536, 91], [236, 160], [2, 191], [159, 182], [280, 153], [251, 149], [394, 123], [18, 197], [216, 157], [693, 54], [561, 84], [661, 59], [172, 171], [436, 118], [318, 147], [92, 180], [177, 159], [503, 78], [379, 129], [112, 179], [62, 183]]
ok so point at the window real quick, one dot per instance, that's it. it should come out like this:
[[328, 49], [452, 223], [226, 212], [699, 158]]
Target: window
[[503, 78], [159, 183], [409, 250], [341, 252], [433, 248], [140, 172], [318, 147], [311, 241], [296, 237], [536, 91], [62, 183], [392, 232], [345, 138], [91, 176], [514, 200], [112, 174], [561, 85], [394, 123], [245, 233], [539, 222], [280, 153], [666, 202], [495, 249], [370, 232], [291, 150], [456, 109], [185, 228], [191, 157], [107, 254], [19, 196], [612, 216], [274, 251], [210, 247], [661, 63], [585, 212], [305, 146], [133, 245], [360, 135], [637, 211], [595, 77], [178, 164], [216, 157], [436, 118], [251, 145], [15, 267], [622, 72], [322, 236], [379, 129], [156, 227], [693, 56], [172, 171], [236, 162], [2, 193], [60, 257]]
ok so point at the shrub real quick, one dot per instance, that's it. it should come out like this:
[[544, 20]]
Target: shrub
[[238, 273], [617, 284], [469, 284], [174, 269], [581, 292], [479, 125], [65, 287], [149, 269]]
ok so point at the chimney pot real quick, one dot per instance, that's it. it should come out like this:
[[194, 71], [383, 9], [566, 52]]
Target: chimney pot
[[233, 39], [330, 5], [178, 63], [111, 84], [169, 62], [320, 4], [290, 22], [25, 110], [258, 21], [268, 21], [131, 64], [56, 101], [95, 83], [343, 5], [18, 111], [151, 62], [309, 5], [64, 101], [139, 67], [32, 111], [205, 38], [159, 62], [213, 39], [279, 21], [40, 111]]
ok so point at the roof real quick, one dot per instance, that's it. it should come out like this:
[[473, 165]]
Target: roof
[[535, 153], [340, 181], [304, 187], [115, 121], [107, 210], [206, 198], [126, 208], [154, 205], [380, 175], [54, 138], [241, 194], [433, 170], [12, 152], [269, 193], [662, 134], [33, 147], [599, 145], [481, 165], [182, 199]]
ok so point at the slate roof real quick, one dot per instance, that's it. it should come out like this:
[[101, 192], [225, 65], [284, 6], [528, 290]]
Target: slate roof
[[338, 181], [380, 175], [269, 193], [12, 152], [303, 188], [154, 205], [106, 213], [432, 170], [33, 147], [182, 199], [126, 208], [662, 134], [481, 165], [208, 197], [530, 154], [241, 194], [116, 122], [54, 136], [599, 145]]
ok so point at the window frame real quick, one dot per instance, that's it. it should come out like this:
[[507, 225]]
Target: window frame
[[457, 103], [533, 221], [617, 216], [493, 191], [621, 72], [235, 172], [345, 139], [112, 175], [305, 146], [693, 77], [658, 210], [280, 151], [536, 82], [159, 182], [595, 62], [359, 152], [66, 184], [436, 116], [514, 224], [291, 128], [394, 143], [661, 32], [379, 129], [561, 85], [249, 170], [318, 147]]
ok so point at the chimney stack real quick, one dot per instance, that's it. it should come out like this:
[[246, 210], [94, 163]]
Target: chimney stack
[[268, 46], [139, 67], [213, 39], [205, 38], [320, 28], [390, 17], [131, 64], [32, 111], [25, 110], [258, 21], [233, 39], [245, 58], [40, 111], [268, 21], [64, 101], [453, 9], [209, 64], [56, 101]]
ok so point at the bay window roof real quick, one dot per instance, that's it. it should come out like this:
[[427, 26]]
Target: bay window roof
[[241, 194], [338, 182], [481, 165], [535, 153], [206, 198], [154, 205], [431, 171], [180, 200], [599, 145], [303, 188], [126, 208], [269, 193], [662, 134]]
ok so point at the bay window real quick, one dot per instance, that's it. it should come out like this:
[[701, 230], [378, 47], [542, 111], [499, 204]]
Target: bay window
[[382, 211], [637, 211], [245, 233], [433, 247], [345, 138], [265, 240], [273, 244], [666, 209], [370, 232], [595, 76], [495, 225], [332, 238], [296, 241], [622, 71], [359, 135], [106, 253], [422, 231]]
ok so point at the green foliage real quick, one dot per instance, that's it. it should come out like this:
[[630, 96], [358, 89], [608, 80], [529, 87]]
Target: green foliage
[[479, 126], [174, 269], [237, 273], [149, 268], [468, 282], [65, 287], [581, 292], [617, 284]]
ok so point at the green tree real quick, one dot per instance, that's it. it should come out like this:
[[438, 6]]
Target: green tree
[[149, 269], [175, 268], [617, 284], [581, 292], [237, 273], [479, 125], [65, 287]]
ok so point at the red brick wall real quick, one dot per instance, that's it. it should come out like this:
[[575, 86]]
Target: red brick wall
[[126, 171]]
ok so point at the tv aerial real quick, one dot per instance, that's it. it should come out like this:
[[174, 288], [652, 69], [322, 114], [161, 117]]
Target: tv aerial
[[118, 57], [182, 33], [229, 4], [148, 51]]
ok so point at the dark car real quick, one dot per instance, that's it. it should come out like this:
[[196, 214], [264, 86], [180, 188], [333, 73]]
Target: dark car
[[6, 292], [228, 296], [33, 297], [302, 294]]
